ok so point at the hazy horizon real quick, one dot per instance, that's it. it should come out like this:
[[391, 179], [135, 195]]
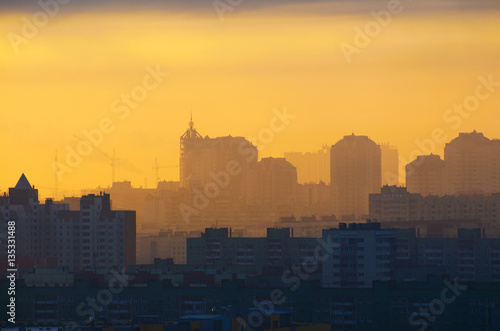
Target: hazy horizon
[[232, 74]]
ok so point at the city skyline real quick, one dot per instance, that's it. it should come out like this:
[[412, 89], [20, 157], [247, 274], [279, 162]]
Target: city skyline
[[227, 165], [231, 74], [301, 161]]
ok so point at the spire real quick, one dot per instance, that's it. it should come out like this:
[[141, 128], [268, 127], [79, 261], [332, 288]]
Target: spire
[[191, 131], [23, 183]]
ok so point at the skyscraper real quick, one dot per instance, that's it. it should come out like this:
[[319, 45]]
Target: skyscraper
[[355, 173], [426, 175], [274, 185], [205, 160], [472, 164]]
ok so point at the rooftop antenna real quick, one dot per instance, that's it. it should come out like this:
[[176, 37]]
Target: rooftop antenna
[[191, 123]]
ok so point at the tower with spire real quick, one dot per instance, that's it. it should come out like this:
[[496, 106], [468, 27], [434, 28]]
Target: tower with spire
[[189, 140], [201, 157], [191, 132]]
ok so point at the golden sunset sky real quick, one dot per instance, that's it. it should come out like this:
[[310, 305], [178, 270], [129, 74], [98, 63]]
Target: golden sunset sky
[[232, 74]]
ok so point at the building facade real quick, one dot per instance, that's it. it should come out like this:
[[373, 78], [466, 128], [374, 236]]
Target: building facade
[[93, 237], [312, 167], [426, 175], [205, 160], [396, 204], [472, 164], [273, 186], [218, 247], [360, 254], [355, 173]]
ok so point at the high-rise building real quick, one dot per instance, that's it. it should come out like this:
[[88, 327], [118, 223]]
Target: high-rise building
[[273, 185], [312, 167], [355, 173], [426, 175], [390, 164], [222, 161], [108, 237], [22, 206], [93, 237], [472, 164]]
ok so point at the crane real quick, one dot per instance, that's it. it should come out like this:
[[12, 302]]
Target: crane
[[156, 167], [56, 172]]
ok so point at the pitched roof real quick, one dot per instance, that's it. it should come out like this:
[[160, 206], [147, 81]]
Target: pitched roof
[[23, 184]]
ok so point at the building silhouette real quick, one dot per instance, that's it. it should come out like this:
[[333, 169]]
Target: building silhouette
[[355, 173], [360, 254], [216, 246], [273, 185], [92, 237], [312, 167], [396, 204], [426, 175], [472, 164], [387, 305], [205, 160], [390, 164]]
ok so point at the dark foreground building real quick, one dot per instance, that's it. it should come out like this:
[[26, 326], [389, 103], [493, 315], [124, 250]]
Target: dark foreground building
[[439, 303]]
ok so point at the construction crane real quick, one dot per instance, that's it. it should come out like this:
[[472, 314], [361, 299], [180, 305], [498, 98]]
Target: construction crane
[[56, 173], [156, 167]]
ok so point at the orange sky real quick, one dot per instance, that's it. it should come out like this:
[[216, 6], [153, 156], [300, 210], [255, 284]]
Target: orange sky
[[232, 74]]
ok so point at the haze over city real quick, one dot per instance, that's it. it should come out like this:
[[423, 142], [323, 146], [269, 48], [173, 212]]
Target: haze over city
[[231, 73], [230, 165]]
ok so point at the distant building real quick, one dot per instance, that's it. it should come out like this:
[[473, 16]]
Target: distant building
[[426, 175], [355, 173], [205, 160], [307, 226], [390, 164], [93, 237], [312, 167], [396, 204], [273, 185], [314, 199], [163, 245], [472, 164], [126, 197]]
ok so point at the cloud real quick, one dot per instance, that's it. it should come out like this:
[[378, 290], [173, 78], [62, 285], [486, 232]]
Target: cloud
[[324, 7]]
